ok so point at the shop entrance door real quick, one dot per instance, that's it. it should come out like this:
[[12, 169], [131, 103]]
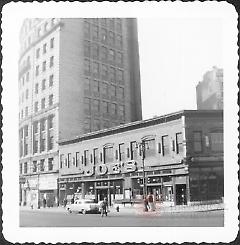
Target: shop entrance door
[[181, 198], [101, 193]]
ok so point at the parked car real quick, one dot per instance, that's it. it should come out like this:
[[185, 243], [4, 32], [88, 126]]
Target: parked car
[[83, 206]]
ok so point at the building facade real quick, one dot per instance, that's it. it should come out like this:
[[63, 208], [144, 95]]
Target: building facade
[[210, 90], [75, 76], [182, 161]]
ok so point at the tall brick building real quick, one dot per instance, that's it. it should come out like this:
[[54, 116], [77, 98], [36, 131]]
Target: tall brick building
[[75, 76]]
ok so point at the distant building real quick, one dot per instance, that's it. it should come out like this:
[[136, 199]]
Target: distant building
[[76, 76], [210, 90]]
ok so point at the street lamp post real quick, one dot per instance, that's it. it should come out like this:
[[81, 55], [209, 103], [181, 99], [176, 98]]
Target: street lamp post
[[142, 150]]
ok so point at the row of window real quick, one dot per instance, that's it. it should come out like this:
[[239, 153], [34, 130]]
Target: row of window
[[124, 152], [43, 103], [97, 124], [44, 66], [37, 167], [107, 72], [102, 34], [103, 88], [94, 105], [103, 53], [44, 48], [110, 23]]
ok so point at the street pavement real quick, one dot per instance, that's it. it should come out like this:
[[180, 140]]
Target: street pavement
[[129, 216]]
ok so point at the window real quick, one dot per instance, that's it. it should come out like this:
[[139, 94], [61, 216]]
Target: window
[[51, 80], [43, 84], [119, 76], [119, 41], [20, 168], [86, 157], [111, 38], [87, 48], [44, 66], [87, 85], [51, 61], [121, 152], [87, 68], [50, 143], [37, 70], [43, 125], [119, 58], [35, 146], [35, 106], [133, 150], [26, 111], [36, 88], [197, 141], [34, 166], [121, 110], [105, 107], [25, 167], [27, 77], [50, 122], [112, 74], [179, 143], [113, 109], [165, 145], [119, 25], [96, 105], [87, 125], [61, 160], [77, 159], [95, 51], [42, 161], [95, 155], [104, 72], [104, 35], [96, 86], [111, 55], [50, 100], [44, 48], [69, 159], [150, 146], [111, 23], [52, 43], [43, 103], [108, 154], [104, 53], [35, 127], [87, 29], [96, 124], [96, 69], [121, 93], [50, 164], [105, 89], [216, 141], [95, 32], [87, 105], [113, 91], [38, 53]]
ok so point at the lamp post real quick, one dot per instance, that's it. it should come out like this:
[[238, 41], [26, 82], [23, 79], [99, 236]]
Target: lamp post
[[142, 146]]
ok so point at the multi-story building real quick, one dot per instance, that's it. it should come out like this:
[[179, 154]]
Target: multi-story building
[[182, 161], [210, 90], [75, 76]]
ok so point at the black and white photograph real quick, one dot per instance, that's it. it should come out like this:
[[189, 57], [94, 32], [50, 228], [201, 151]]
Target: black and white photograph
[[120, 122]]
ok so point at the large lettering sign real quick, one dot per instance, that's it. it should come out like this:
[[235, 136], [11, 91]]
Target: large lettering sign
[[113, 168]]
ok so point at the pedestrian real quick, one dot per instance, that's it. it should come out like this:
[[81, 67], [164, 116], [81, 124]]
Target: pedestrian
[[151, 203], [104, 207], [145, 204], [65, 202], [72, 200], [44, 202]]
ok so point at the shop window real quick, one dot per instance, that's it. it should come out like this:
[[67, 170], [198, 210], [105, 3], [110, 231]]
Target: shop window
[[165, 145], [197, 141], [121, 152], [86, 157], [108, 154], [216, 141], [42, 162], [50, 164], [179, 143], [69, 159], [133, 150]]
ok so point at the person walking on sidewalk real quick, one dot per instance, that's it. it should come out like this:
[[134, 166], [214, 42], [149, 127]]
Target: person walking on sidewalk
[[151, 203], [145, 204], [104, 207]]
